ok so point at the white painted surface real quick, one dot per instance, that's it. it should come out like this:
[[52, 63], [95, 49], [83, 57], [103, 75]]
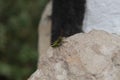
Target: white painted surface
[[102, 15]]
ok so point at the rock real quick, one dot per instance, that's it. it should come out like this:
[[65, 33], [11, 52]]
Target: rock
[[102, 15], [84, 56], [45, 30]]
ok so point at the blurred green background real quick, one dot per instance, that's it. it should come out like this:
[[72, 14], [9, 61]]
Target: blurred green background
[[19, 37]]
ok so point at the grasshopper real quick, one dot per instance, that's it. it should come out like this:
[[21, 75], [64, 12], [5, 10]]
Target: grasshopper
[[58, 42]]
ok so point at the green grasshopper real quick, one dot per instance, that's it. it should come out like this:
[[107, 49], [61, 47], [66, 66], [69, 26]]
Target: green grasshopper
[[58, 42]]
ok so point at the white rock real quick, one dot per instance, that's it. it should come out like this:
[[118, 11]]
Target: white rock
[[85, 56], [102, 15]]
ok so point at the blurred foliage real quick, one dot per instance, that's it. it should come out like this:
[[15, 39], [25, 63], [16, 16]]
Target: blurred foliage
[[18, 37]]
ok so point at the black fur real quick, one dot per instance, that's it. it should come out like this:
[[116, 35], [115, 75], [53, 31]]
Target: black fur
[[67, 17]]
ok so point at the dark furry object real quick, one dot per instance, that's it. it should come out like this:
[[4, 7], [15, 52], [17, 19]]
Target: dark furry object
[[67, 17]]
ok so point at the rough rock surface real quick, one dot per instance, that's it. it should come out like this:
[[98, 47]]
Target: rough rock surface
[[84, 56]]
